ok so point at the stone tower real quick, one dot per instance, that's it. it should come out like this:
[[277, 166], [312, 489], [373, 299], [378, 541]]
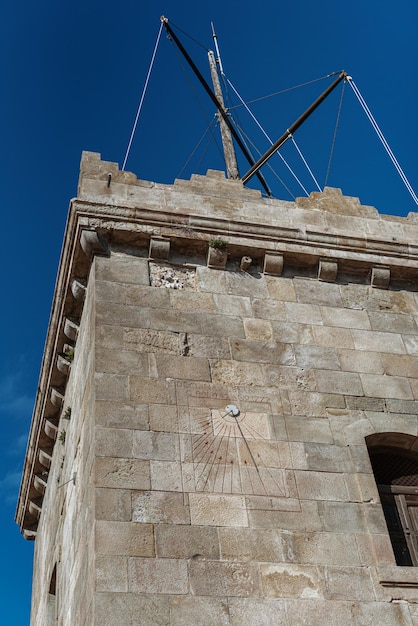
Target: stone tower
[[226, 426]]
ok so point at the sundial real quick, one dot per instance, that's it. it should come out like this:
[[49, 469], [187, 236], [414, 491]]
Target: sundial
[[234, 453]]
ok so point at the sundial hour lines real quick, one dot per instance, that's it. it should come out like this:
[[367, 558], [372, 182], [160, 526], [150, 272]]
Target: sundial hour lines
[[235, 454]]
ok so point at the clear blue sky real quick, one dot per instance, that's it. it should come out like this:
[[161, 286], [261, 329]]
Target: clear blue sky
[[72, 75]]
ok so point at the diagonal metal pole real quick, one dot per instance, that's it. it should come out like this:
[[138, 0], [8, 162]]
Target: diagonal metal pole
[[289, 132]]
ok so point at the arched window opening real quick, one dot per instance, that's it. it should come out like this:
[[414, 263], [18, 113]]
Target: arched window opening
[[394, 461], [52, 602]]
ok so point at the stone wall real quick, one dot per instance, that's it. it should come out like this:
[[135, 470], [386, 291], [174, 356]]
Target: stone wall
[[219, 415]]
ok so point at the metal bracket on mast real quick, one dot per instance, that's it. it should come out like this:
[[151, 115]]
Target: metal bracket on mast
[[289, 132], [216, 102]]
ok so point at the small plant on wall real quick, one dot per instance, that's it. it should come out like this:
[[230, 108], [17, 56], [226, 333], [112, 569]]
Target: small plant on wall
[[217, 253], [62, 436]]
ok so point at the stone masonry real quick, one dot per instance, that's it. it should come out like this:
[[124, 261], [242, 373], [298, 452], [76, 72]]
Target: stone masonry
[[213, 366]]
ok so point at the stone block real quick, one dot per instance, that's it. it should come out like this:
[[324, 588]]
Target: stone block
[[113, 505], [158, 576], [290, 581], [400, 365], [113, 442], [380, 277], [318, 548], [209, 347], [218, 510], [333, 337], [111, 387], [111, 574], [155, 446], [318, 612], [186, 542], [146, 340], [321, 486], [148, 390], [280, 289], [326, 458], [124, 539], [184, 368], [147, 297], [118, 361], [288, 332], [166, 476], [111, 314], [268, 310], [214, 578], [310, 291], [236, 373], [311, 404], [163, 417], [249, 544], [343, 517], [361, 361], [115, 609], [308, 356], [304, 313], [232, 305], [375, 341], [122, 473], [123, 268], [262, 352], [348, 583], [382, 613], [339, 382], [202, 610], [287, 377], [386, 386], [305, 518], [258, 330], [257, 612], [159, 507], [345, 318], [182, 300], [315, 430], [393, 322], [122, 415]]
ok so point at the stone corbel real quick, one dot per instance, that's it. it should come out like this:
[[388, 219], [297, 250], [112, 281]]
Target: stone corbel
[[159, 248], [78, 288], [57, 396], [273, 263], [35, 507], [327, 270], [92, 242], [380, 277], [51, 427], [217, 258], [45, 457], [70, 328], [40, 483]]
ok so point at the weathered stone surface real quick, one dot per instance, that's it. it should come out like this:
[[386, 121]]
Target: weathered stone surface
[[158, 507], [111, 574], [202, 610], [121, 473], [157, 576], [124, 539], [218, 510], [290, 581], [114, 609], [211, 578], [186, 542]]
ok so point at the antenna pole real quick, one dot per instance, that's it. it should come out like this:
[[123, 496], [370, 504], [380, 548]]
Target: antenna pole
[[215, 101], [289, 132], [227, 143]]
